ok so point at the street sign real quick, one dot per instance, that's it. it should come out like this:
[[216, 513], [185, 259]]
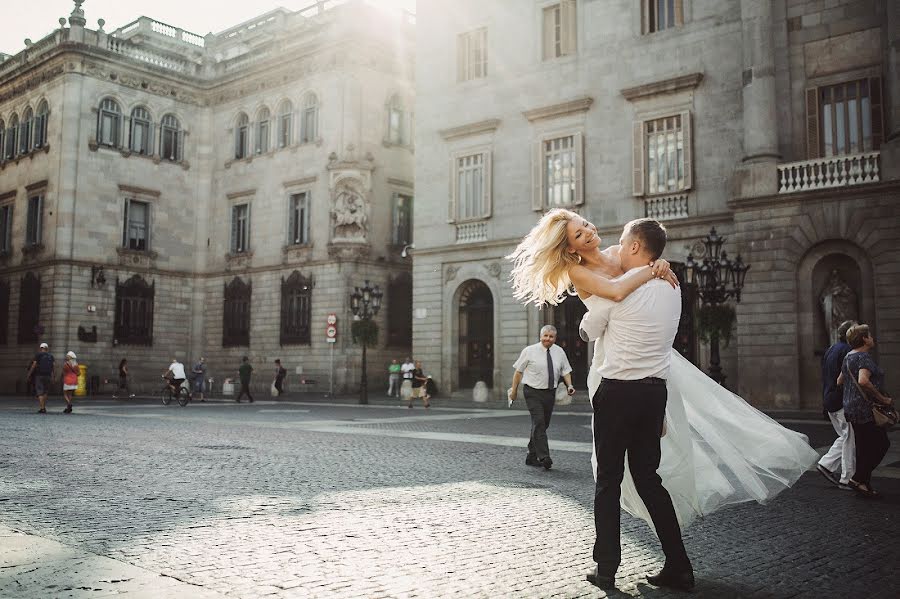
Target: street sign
[[331, 332], [332, 318]]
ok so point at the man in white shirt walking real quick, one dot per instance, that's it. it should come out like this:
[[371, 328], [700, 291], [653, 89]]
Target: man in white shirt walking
[[629, 409], [540, 366]]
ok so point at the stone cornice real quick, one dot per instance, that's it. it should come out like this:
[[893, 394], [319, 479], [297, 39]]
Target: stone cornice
[[7, 195], [37, 185], [567, 108], [828, 194], [139, 190], [488, 126], [664, 86], [300, 182], [240, 194], [400, 183]]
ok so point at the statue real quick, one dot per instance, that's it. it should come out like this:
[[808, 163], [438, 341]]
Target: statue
[[838, 302], [350, 210]]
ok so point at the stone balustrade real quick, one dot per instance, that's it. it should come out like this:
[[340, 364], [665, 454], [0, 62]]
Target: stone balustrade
[[834, 171], [666, 207], [471, 232]]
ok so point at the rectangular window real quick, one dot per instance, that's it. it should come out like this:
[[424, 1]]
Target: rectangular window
[[236, 314], [109, 129], [560, 24], [6, 216], [136, 234], [402, 219], [472, 55], [134, 312], [559, 172], [665, 155], [395, 126], [846, 118], [34, 220], [659, 15], [298, 222], [296, 309], [10, 149], [471, 181], [240, 228], [308, 126]]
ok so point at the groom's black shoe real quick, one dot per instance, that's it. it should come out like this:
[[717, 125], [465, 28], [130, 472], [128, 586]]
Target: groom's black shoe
[[599, 580], [547, 463], [531, 460], [682, 581]]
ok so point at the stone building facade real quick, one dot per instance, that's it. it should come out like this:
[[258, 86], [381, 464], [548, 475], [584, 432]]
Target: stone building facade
[[164, 194], [776, 122]]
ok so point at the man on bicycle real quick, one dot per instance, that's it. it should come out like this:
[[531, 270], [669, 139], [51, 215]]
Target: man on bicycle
[[176, 369]]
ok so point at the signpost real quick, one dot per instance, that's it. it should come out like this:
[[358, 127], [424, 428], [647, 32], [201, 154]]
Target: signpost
[[331, 338]]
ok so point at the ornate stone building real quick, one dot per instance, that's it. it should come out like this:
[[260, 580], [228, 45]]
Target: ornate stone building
[[165, 194], [776, 121]]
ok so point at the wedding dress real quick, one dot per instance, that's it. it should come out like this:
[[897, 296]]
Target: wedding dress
[[717, 450]]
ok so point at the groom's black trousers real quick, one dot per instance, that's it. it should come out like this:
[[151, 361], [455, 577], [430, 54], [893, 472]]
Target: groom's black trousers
[[628, 417]]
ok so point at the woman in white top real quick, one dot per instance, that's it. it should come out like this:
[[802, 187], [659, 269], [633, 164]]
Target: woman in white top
[[717, 449]]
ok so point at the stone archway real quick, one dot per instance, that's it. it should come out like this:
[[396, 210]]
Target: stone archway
[[475, 357]]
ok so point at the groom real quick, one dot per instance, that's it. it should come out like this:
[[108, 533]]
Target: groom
[[629, 409]]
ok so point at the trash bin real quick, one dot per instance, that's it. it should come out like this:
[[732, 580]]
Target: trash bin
[[228, 387], [81, 389]]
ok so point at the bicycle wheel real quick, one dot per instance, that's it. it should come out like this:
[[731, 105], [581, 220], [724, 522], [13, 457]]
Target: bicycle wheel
[[184, 397], [166, 395]]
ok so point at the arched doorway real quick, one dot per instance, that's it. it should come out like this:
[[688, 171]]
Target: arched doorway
[[476, 335], [566, 318]]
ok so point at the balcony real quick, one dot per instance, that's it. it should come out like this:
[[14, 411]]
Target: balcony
[[471, 232], [666, 207], [824, 173]]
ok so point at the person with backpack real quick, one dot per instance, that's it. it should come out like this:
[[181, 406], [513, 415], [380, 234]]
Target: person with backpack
[[280, 373], [42, 369]]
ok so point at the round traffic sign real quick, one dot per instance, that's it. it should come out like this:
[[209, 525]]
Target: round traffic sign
[[332, 319], [331, 332]]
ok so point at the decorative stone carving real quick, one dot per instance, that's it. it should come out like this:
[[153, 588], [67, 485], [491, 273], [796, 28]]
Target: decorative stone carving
[[494, 269], [450, 273], [839, 303]]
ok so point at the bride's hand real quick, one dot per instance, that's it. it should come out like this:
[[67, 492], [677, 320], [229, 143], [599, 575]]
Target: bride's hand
[[661, 269]]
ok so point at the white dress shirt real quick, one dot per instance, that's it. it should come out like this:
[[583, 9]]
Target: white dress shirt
[[637, 332], [407, 369], [532, 363]]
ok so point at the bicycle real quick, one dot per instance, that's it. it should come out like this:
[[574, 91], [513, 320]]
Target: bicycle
[[166, 394]]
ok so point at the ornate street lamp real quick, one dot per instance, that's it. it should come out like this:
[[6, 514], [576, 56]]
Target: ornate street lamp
[[718, 279], [365, 303]]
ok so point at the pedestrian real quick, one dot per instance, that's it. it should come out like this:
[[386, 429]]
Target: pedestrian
[[394, 373], [540, 366], [70, 379], [42, 369], [863, 382], [199, 374], [838, 464], [280, 373], [419, 386], [406, 370], [176, 369], [123, 379], [245, 371]]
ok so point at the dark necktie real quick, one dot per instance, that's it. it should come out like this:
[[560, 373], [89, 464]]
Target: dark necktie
[[551, 380]]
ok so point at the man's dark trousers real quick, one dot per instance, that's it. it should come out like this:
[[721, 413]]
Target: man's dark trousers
[[540, 404], [628, 416]]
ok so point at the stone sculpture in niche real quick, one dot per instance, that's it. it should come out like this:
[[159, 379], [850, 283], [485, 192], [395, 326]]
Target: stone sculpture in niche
[[350, 211], [839, 303]]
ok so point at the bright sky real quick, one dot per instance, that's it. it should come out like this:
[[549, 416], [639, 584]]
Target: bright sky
[[37, 18]]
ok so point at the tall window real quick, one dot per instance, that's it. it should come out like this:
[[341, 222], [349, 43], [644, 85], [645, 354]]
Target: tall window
[[399, 311], [140, 138], [240, 228], [262, 131], [136, 233], [401, 232], [171, 139], [296, 309], [309, 126], [560, 171], [6, 217], [12, 136], [662, 155], [25, 130], [662, 14], [134, 312], [472, 55], [285, 124], [298, 222], [109, 123], [242, 136], [40, 124], [29, 308], [398, 131], [849, 118], [560, 30], [471, 193], [236, 314], [4, 312], [34, 222]]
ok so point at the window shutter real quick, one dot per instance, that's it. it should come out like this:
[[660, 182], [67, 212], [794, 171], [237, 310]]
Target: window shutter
[[679, 12], [487, 186], [454, 192], [179, 145], [569, 28], [461, 57], [148, 232], [151, 150], [645, 16], [687, 138], [877, 114], [40, 219], [125, 226], [293, 234], [537, 176], [637, 158], [549, 40], [234, 229], [578, 140], [237, 142], [99, 126], [247, 236], [812, 123]]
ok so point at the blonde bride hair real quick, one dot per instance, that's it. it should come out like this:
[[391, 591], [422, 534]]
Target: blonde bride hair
[[540, 273]]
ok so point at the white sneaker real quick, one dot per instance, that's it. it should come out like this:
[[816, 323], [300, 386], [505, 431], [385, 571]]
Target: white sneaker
[[132, 395]]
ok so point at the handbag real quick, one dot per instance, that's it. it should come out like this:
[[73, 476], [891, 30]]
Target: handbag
[[883, 415]]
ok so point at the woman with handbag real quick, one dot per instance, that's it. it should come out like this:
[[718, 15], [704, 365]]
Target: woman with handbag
[[863, 395]]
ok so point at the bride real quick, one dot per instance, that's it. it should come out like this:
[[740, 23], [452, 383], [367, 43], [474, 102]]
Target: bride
[[716, 449]]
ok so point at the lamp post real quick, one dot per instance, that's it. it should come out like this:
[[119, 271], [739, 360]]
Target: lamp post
[[718, 279], [365, 303]]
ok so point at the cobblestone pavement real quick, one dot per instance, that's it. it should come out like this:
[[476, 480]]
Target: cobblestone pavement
[[307, 499]]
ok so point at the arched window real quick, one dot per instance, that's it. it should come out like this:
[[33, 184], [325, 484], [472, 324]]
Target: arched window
[[25, 131], [141, 137], [40, 124], [171, 139], [242, 136], [397, 122], [309, 126], [109, 124], [12, 135], [262, 130], [285, 124], [134, 311], [236, 314], [29, 308], [296, 309]]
